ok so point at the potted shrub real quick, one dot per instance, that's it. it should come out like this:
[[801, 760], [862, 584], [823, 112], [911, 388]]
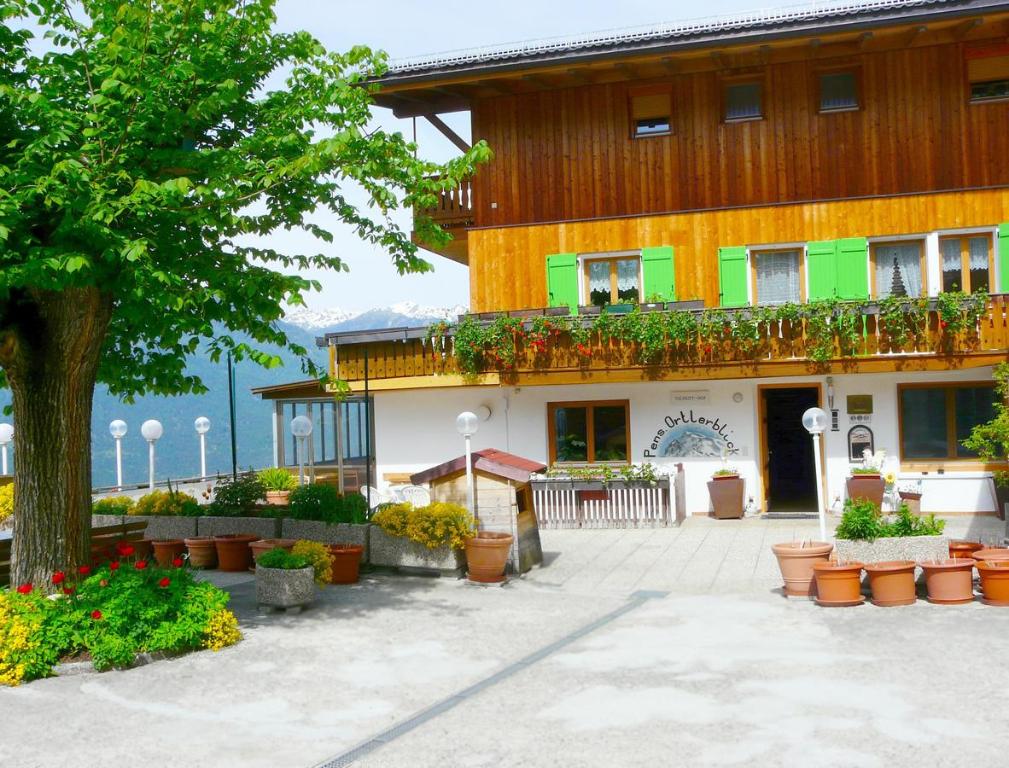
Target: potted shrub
[[346, 563], [994, 581], [233, 553], [910, 494], [949, 581], [838, 584], [165, 504], [866, 535], [796, 560], [237, 497], [315, 501], [202, 551], [990, 441], [726, 489], [318, 555], [278, 484], [487, 556], [866, 483], [265, 545], [892, 583], [284, 579]]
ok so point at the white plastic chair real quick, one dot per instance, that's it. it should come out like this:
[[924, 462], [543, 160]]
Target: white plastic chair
[[416, 495], [374, 497]]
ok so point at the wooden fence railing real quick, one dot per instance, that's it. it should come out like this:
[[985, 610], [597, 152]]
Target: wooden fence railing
[[561, 504], [454, 207]]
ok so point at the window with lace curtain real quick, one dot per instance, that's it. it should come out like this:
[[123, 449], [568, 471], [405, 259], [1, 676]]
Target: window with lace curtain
[[777, 276], [898, 269], [966, 263]]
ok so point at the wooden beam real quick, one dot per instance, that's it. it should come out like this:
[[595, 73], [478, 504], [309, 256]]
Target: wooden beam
[[720, 59], [537, 81], [864, 38], [495, 87], [960, 31], [579, 77], [672, 66], [815, 44], [914, 34], [764, 54], [447, 132]]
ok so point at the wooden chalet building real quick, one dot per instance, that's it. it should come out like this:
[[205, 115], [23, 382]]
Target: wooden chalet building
[[801, 205]]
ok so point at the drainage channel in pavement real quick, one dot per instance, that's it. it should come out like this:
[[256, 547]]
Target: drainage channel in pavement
[[382, 738]]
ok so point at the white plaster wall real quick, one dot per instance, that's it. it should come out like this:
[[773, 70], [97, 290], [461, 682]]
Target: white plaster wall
[[416, 429]]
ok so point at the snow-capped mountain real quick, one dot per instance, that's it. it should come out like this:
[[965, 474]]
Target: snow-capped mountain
[[404, 313]]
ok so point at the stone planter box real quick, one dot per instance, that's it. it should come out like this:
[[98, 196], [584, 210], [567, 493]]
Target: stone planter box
[[99, 521], [341, 533], [916, 548], [264, 527], [399, 552], [280, 588], [165, 527]]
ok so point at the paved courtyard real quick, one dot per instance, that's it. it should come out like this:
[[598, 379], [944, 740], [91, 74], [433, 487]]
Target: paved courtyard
[[630, 647]]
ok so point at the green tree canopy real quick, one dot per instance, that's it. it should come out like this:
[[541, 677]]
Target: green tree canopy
[[144, 162]]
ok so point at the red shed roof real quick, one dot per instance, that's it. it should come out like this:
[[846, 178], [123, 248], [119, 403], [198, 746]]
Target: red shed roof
[[490, 461]]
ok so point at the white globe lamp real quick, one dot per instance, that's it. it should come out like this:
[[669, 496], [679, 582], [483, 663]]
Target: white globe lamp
[[466, 424], [301, 428], [118, 429], [151, 430], [202, 427]]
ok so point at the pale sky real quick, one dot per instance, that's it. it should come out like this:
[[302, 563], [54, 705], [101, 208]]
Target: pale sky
[[407, 28]]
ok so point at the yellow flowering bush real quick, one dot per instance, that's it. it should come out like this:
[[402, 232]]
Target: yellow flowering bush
[[6, 501], [318, 555], [434, 525], [32, 633], [222, 630]]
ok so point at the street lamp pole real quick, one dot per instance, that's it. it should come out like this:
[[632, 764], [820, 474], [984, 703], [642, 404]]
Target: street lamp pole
[[815, 421], [151, 430], [118, 431], [202, 425], [6, 435], [466, 424], [301, 428]]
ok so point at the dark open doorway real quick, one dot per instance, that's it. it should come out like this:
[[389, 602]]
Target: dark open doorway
[[789, 468]]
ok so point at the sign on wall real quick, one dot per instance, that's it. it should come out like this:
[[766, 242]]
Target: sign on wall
[[687, 397], [860, 404], [689, 435]]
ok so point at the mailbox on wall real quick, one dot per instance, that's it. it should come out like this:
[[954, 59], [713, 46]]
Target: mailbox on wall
[[859, 439]]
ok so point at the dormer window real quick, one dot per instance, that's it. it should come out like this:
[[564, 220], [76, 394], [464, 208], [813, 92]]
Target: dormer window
[[651, 111]]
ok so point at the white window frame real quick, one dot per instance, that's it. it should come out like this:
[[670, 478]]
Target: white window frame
[[752, 251], [585, 258]]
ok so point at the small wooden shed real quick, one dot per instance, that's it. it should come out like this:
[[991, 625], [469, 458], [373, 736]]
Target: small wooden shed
[[502, 498]]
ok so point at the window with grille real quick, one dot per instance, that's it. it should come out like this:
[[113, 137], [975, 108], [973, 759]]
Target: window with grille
[[838, 91], [743, 101]]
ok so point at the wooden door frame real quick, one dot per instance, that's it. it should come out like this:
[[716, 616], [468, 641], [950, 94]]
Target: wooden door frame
[[762, 456]]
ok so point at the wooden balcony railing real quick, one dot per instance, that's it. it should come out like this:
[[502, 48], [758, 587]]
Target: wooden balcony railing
[[720, 338], [454, 207]]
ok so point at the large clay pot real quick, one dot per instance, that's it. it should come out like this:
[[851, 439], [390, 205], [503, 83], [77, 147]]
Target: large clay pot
[[278, 498], [166, 550], [795, 559], [346, 563], [994, 555], [487, 556], [892, 582], [838, 585], [868, 487], [202, 552], [994, 582], [726, 493], [963, 549], [265, 545], [949, 582], [233, 553]]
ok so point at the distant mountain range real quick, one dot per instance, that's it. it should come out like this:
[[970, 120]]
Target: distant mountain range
[[178, 451]]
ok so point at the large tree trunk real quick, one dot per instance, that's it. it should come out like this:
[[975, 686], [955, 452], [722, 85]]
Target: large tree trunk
[[51, 353]]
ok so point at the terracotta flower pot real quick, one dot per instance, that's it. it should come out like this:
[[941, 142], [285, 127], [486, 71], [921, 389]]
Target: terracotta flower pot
[[838, 585], [995, 554], [278, 498], [795, 559], [265, 545], [868, 487], [892, 582], [202, 552], [949, 582], [487, 556], [726, 493], [994, 582], [962, 549], [233, 553], [346, 563], [166, 550]]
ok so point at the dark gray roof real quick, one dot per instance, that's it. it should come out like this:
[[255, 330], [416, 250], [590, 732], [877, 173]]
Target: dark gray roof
[[820, 17]]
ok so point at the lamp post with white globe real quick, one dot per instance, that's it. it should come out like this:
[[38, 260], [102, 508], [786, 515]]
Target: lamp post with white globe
[[466, 424], [118, 431], [202, 425], [151, 430], [6, 436], [815, 420], [301, 428]]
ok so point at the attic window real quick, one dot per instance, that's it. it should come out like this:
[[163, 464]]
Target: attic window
[[651, 112], [743, 101], [988, 73], [838, 91]]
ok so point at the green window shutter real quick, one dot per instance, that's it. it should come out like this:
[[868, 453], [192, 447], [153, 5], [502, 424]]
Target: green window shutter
[[658, 266], [1003, 258], [821, 267], [852, 268], [733, 276], [562, 280]]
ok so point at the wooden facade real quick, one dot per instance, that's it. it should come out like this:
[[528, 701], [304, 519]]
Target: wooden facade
[[568, 154]]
